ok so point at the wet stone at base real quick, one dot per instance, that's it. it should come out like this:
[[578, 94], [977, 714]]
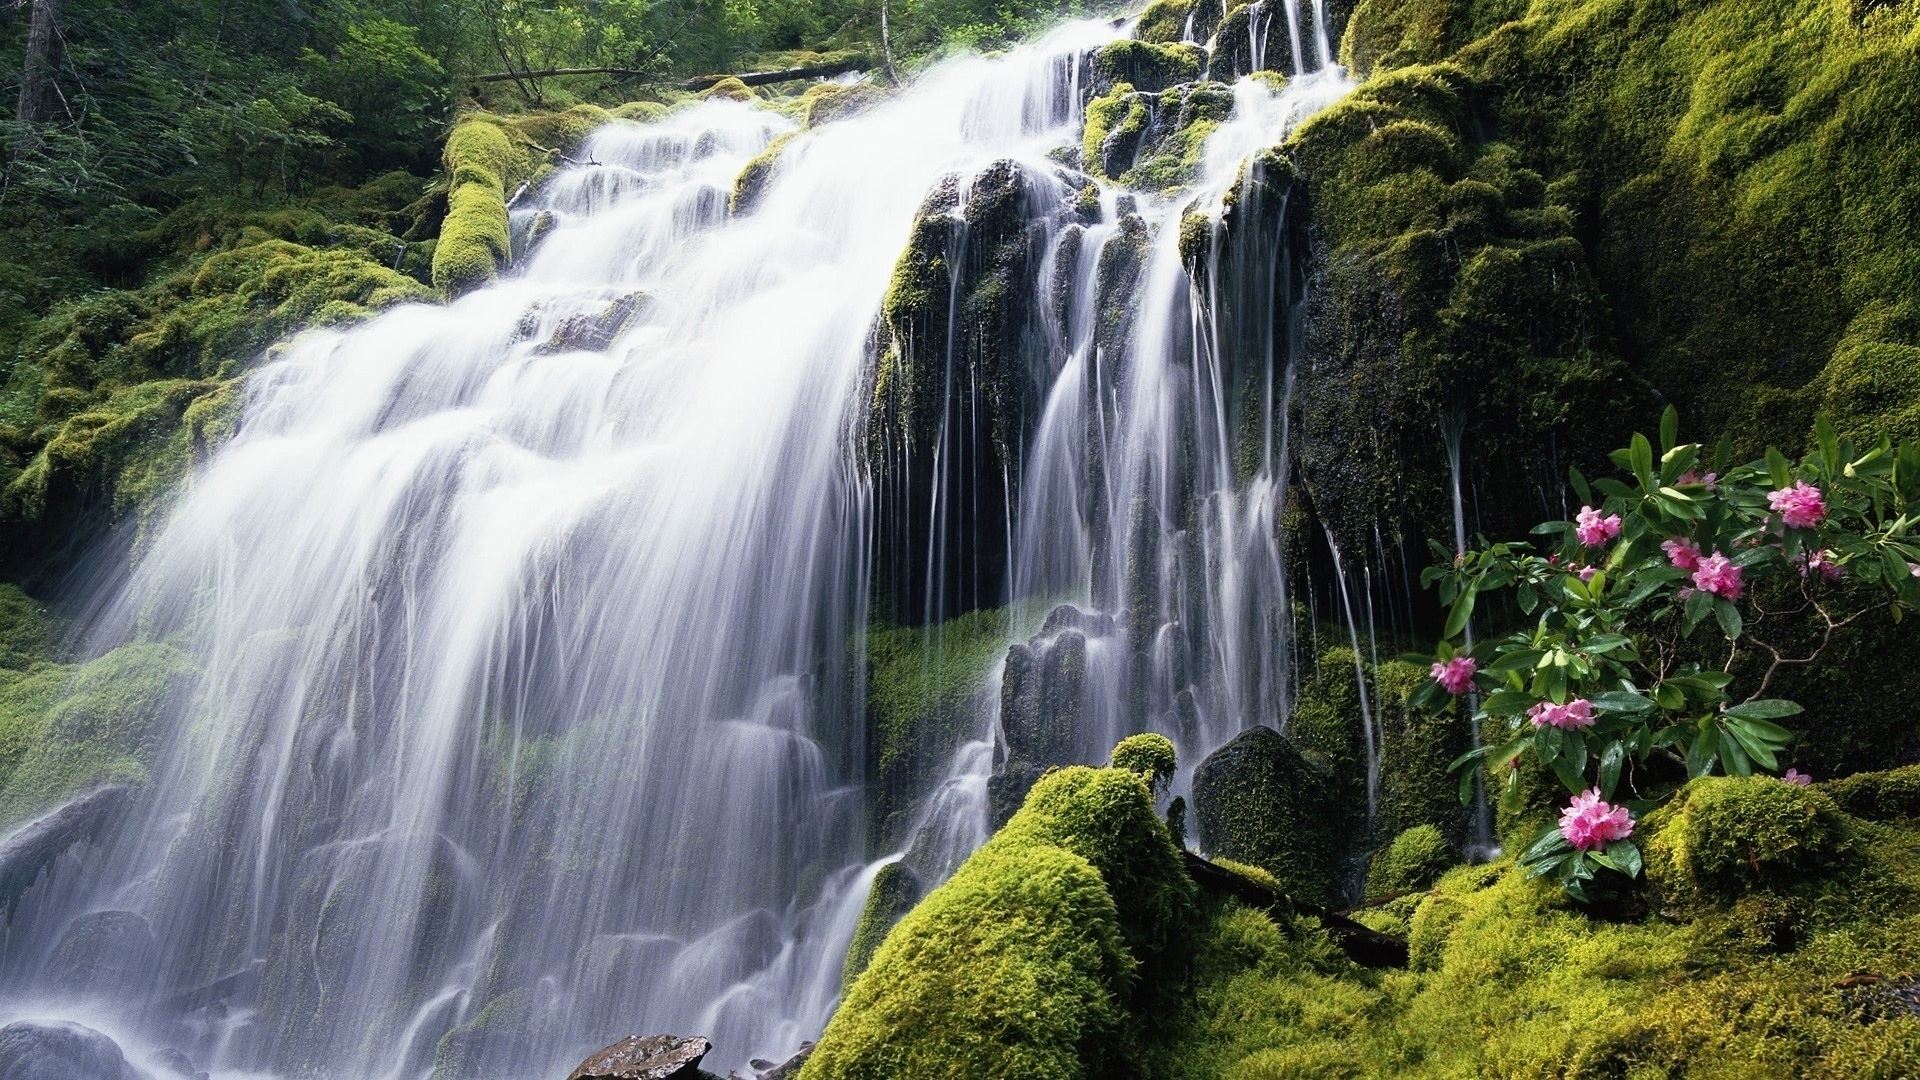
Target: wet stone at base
[[653, 1057]]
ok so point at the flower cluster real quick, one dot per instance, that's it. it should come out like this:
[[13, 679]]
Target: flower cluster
[[1594, 530], [1719, 576], [1590, 823], [1800, 506], [1572, 716], [1455, 676]]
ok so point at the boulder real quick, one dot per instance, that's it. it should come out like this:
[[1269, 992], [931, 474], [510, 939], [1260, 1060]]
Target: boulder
[[102, 950], [31, 849], [1041, 694], [1259, 800], [595, 331], [60, 1050], [652, 1057], [786, 1070]]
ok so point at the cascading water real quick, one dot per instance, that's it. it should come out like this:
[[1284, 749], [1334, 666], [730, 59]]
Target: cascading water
[[529, 626]]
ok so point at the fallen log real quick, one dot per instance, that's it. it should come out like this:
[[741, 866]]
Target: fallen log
[[697, 82], [1363, 944]]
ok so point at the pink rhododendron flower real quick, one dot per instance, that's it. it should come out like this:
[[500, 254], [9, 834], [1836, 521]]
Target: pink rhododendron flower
[[1692, 477], [1795, 776], [1913, 568], [1594, 530], [1590, 823], [1587, 572], [1575, 714], [1717, 574], [1800, 506], [1682, 553], [1455, 676], [1822, 563]]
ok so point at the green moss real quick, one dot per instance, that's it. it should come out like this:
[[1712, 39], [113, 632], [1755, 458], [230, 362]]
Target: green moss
[[1115, 121], [1724, 837], [923, 689], [1893, 795], [1014, 968], [1413, 861], [1151, 756], [65, 728], [730, 89], [641, 112], [26, 630], [895, 890], [828, 101], [1147, 66], [1258, 800], [752, 181]]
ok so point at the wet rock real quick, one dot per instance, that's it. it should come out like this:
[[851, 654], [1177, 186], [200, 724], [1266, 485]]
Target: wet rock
[[787, 1069], [1008, 788], [60, 1050], [896, 888], [178, 1064], [102, 950], [1068, 617], [652, 1057], [1041, 696], [1259, 800], [594, 332], [32, 848]]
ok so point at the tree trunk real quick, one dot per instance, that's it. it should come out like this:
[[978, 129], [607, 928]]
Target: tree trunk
[[886, 45], [38, 66]]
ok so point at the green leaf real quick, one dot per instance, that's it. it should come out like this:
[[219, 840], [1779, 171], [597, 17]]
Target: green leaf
[[1728, 617], [1697, 607], [1829, 441], [1670, 697], [1462, 611], [1580, 488], [1640, 453], [1754, 746], [1621, 701], [1703, 752], [1518, 660], [1508, 702], [1573, 779], [1669, 428], [1626, 857], [1545, 844], [1466, 786], [1611, 760], [1778, 470], [1766, 709], [1734, 756]]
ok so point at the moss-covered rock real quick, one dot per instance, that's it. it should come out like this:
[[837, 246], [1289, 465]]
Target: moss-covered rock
[[1170, 22], [1413, 861], [1145, 65], [1724, 837], [1258, 800], [1149, 755], [753, 178], [924, 698], [827, 102], [728, 89], [895, 890], [1047, 954], [1893, 795]]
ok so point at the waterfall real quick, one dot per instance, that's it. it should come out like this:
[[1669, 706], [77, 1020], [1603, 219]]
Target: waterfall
[[530, 627]]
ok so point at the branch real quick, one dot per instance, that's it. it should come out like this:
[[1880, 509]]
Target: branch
[[698, 82]]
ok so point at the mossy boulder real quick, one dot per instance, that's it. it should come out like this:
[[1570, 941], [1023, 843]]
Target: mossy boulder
[[1150, 755], [1145, 65], [1724, 837], [1023, 963], [1259, 800], [1171, 22], [896, 888], [753, 178], [728, 89], [1893, 795], [1415, 859], [827, 102], [954, 385]]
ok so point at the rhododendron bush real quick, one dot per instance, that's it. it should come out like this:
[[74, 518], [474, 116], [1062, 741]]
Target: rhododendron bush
[[1638, 615]]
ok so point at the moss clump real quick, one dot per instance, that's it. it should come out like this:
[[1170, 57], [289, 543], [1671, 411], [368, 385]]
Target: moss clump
[[895, 890], [474, 239], [1111, 137], [754, 176], [1893, 795], [1147, 66], [1150, 755], [728, 89], [65, 728], [1014, 968], [1724, 837], [1172, 148], [923, 700], [1167, 22], [827, 101], [1415, 859], [1048, 953], [1258, 800], [640, 112]]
